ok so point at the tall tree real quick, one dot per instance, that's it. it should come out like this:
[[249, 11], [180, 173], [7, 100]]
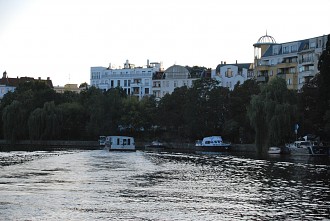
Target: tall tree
[[272, 113], [324, 68], [14, 121]]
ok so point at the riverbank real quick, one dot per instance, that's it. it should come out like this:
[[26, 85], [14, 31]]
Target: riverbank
[[190, 147], [28, 145]]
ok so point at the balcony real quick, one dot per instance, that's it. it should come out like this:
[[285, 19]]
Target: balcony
[[306, 61]]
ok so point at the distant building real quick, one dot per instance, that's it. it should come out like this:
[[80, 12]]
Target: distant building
[[9, 84], [68, 87], [293, 61], [173, 77], [230, 74], [135, 81]]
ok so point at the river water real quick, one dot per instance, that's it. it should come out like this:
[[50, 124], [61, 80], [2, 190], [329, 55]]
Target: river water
[[102, 185]]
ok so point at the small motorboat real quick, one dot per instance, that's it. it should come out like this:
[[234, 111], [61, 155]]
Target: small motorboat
[[274, 150]]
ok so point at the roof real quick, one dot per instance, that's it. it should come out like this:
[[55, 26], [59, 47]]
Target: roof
[[176, 72], [5, 80], [239, 65]]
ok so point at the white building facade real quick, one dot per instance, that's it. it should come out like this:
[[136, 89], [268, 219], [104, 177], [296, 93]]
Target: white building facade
[[230, 74], [173, 77], [136, 81]]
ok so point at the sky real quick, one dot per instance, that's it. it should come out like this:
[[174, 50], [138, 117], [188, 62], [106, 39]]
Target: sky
[[62, 39]]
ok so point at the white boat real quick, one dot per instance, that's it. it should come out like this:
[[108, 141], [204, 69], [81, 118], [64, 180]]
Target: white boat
[[274, 150], [212, 144], [306, 147], [119, 143], [102, 140], [155, 146]]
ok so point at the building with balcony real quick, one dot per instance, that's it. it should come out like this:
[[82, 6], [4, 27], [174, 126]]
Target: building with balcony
[[293, 61], [230, 74], [136, 81]]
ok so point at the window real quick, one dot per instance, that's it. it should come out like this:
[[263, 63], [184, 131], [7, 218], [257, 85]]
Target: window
[[292, 70], [289, 81], [313, 44], [229, 73], [293, 48], [285, 50], [111, 84], [146, 90], [118, 83], [125, 83], [146, 81], [175, 83]]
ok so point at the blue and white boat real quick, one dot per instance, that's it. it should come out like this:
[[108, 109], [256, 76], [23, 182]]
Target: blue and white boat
[[212, 144]]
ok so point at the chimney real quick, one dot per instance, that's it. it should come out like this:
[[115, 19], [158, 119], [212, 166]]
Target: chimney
[[48, 78], [147, 63], [224, 62], [221, 62], [236, 61]]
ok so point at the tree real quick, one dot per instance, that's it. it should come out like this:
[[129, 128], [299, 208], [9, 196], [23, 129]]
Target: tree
[[272, 114], [45, 123], [324, 98], [14, 121]]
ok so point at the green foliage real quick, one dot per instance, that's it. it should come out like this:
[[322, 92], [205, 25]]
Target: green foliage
[[45, 123], [13, 118], [272, 114]]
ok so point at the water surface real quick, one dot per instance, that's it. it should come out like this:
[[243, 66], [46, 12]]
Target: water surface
[[101, 185]]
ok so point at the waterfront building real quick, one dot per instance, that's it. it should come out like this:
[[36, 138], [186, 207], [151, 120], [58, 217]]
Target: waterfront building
[[230, 74], [293, 61], [9, 84], [135, 81], [173, 77]]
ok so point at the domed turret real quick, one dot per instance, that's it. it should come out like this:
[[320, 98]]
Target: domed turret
[[264, 40]]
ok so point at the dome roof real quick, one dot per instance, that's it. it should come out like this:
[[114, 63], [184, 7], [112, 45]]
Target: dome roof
[[266, 39], [176, 72]]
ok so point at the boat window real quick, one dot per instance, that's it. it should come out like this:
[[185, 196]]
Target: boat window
[[124, 141], [207, 142], [118, 141], [129, 142]]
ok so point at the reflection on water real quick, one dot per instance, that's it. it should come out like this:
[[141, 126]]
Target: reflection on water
[[101, 185]]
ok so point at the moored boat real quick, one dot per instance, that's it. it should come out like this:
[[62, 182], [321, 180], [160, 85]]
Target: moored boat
[[306, 148], [119, 143], [155, 146], [211, 144], [274, 150]]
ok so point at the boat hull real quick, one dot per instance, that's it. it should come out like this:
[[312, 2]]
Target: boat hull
[[312, 151], [155, 148], [217, 149]]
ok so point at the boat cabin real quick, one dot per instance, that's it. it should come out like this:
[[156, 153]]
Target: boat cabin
[[121, 143], [211, 141]]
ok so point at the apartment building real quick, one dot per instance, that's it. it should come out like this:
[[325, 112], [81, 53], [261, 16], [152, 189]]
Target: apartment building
[[136, 81], [293, 61]]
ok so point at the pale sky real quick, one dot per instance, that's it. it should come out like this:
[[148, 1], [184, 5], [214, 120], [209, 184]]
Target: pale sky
[[62, 39]]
